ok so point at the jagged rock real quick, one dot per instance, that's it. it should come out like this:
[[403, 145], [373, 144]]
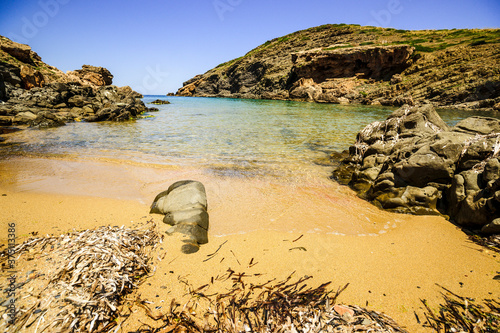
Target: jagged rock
[[414, 163], [3, 91], [10, 74], [376, 62], [30, 87], [21, 52]]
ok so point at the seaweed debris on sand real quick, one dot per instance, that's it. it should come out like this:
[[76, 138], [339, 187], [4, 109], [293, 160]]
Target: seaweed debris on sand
[[463, 314], [86, 281], [80, 278], [284, 306]]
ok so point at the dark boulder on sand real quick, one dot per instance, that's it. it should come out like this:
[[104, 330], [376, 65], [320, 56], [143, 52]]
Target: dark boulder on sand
[[414, 163]]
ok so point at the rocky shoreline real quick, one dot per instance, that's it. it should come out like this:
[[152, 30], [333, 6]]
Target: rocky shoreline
[[414, 163], [35, 94]]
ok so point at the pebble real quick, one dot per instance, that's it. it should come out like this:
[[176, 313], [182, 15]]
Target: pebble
[[366, 322]]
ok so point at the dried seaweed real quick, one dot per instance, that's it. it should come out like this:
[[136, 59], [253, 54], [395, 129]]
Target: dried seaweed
[[284, 306], [91, 272], [489, 242], [462, 314]]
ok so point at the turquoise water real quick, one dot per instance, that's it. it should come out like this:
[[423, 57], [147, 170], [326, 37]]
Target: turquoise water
[[229, 136]]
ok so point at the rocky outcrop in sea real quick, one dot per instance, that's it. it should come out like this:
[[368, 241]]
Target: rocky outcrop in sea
[[35, 94], [414, 163]]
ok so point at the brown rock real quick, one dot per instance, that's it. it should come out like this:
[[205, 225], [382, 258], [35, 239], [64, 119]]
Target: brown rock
[[31, 78], [21, 52], [97, 76]]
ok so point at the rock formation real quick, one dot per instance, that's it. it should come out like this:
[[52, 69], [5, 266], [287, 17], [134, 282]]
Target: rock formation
[[95, 76], [39, 95], [414, 163], [184, 205], [367, 65]]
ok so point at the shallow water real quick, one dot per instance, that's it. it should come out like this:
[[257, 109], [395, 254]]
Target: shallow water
[[227, 136]]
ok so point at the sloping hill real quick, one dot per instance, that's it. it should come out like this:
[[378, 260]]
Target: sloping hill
[[354, 64]]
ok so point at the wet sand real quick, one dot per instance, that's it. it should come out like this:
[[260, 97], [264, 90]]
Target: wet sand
[[391, 261]]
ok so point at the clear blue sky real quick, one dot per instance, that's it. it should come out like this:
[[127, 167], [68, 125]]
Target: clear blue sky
[[154, 46]]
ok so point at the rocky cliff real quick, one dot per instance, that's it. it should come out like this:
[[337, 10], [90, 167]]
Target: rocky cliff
[[36, 94], [368, 65]]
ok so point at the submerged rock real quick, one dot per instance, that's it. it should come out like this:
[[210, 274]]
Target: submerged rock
[[414, 163], [184, 205]]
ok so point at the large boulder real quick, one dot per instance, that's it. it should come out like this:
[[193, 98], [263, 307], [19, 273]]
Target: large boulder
[[97, 76], [184, 205], [414, 163]]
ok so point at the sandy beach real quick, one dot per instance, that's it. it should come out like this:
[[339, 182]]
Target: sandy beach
[[318, 229]]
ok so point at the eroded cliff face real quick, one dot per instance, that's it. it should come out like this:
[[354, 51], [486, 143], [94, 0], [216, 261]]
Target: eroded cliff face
[[367, 65], [368, 62]]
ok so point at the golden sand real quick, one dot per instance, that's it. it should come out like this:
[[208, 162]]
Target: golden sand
[[314, 228]]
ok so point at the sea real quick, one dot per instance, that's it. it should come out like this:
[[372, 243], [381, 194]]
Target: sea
[[233, 137]]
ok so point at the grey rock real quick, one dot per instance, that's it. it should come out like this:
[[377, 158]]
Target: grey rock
[[479, 125], [193, 230], [198, 216], [414, 163], [185, 195], [492, 228], [46, 119], [184, 205], [491, 170]]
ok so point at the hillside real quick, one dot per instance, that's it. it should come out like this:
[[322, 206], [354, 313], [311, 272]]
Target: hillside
[[355, 64]]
